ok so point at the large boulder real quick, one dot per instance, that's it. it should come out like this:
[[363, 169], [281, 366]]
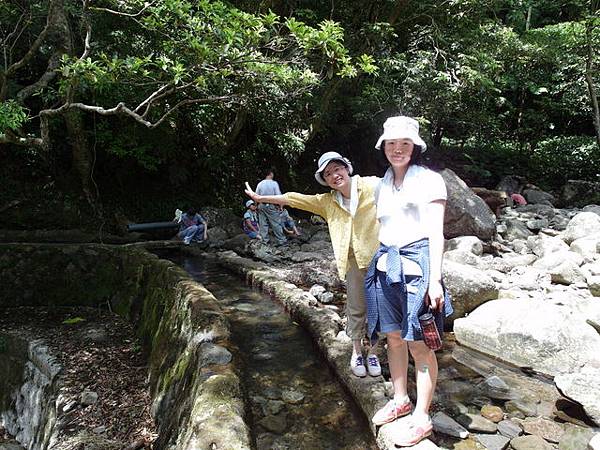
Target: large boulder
[[552, 336], [583, 386], [584, 224], [579, 192], [537, 196], [223, 218], [468, 286], [466, 213], [511, 184]]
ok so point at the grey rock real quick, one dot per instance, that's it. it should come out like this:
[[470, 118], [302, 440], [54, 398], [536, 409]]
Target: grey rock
[[276, 424], [530, 442], [273, 407], [213, 354], [542, 244], [582, 225], [492, 441], [593, 283], [553, 342], [444, 424], [594, 443], [547, 429], [567, 273], [496, 388], [575, 438], [88, 398], [593, 208], [316, 290], [463, 257], [475, 422], [537, 224], [292, 397], [515, 229], [469, 287], [520, 408], [466, 213], [509, 428], [583, 386], [326, 298], [471, 244], [536, 196], [272, 393]]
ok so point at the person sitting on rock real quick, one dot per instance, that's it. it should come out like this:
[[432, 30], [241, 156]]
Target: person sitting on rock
[[349, 210], [192, 227], [287, 223], [250, 221]]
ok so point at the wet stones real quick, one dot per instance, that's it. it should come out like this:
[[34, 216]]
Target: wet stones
[[442, 423], [493, 413], [88, 398], [492, 441], [213, 354], [509, 428]]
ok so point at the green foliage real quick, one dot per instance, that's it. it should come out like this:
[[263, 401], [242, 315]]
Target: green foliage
[[12, 116], [558, 159]]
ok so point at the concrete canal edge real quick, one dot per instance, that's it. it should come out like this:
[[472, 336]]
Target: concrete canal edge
[[324, 326]]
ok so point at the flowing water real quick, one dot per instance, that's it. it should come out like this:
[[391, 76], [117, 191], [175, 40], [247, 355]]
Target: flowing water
[[295, 400]]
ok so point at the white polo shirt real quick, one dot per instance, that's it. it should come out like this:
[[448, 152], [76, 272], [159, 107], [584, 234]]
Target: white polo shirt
[[402, 212]]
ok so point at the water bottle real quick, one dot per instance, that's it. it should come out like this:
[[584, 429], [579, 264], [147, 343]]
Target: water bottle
[[431, 335]]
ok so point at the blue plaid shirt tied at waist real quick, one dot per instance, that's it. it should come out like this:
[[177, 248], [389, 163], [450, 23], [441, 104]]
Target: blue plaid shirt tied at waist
[[417, 252]]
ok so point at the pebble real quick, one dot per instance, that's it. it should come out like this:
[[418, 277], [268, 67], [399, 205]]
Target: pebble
[[88, 398], [496, 388], [509, 428], [276, 424], [273, 407], [492, 441], [445, 424], [530, 442], [544, 428], [475, 422], [493, 413], [293, 397]]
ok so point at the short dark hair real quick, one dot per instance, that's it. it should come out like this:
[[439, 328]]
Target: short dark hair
[[269, 172], [191, 211], [415, 159]]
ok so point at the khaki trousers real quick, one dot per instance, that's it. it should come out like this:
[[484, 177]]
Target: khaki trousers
[[356, 308]]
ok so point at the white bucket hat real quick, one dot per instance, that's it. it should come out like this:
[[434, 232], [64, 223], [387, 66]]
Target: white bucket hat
[[401, 127], [325, 159], [249, 202]]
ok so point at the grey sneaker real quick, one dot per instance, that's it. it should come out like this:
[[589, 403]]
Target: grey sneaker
[[357, 365], [373, 366]]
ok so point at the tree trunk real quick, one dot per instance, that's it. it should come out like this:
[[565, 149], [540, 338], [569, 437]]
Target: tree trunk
[[82, 158], [589, 70]]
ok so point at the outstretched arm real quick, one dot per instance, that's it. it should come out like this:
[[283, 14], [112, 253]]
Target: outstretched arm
[[275, 199]]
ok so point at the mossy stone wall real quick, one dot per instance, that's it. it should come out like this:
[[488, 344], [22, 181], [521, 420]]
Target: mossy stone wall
[[173, 316]]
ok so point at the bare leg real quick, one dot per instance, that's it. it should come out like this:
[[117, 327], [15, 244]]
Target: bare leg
[[356, 346], [398, 361], [427, 372]]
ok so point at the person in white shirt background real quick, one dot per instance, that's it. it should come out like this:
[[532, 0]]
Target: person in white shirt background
[[404, 279]]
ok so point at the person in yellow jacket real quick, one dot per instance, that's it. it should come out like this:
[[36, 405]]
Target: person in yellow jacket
[[349, 209]]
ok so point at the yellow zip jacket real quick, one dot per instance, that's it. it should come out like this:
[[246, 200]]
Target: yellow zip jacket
[[361, 232]]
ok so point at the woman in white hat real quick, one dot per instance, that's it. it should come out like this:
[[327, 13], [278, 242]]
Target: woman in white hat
[[349, 210], [404, 280]]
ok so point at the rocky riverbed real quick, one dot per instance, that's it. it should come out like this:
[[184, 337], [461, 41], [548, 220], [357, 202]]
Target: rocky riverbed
[[529, 297]]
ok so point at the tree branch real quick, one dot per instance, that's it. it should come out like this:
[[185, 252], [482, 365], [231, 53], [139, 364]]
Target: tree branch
[[36, 44], [119, 13]]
